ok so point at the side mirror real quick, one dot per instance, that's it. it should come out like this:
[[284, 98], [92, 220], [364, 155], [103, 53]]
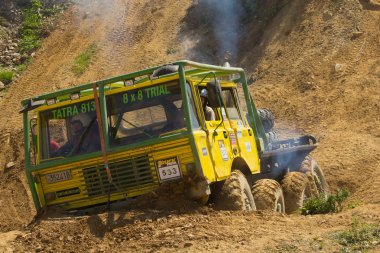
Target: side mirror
[[33, 127], [214, 94]]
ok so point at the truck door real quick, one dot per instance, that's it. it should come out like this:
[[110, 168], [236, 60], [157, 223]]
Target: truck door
[[240, 134], [218, 139]]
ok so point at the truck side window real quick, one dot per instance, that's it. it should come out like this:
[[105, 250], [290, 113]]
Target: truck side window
[[69, 131], [229, 101], [209, 113], [57, 136], [193, 114]]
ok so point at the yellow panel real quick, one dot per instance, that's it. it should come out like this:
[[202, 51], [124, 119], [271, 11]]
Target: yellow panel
[[180, 148]]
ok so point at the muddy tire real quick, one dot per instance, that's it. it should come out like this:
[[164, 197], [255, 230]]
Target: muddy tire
[[236, 194], [267, 118], [268, 195], [272, 136], [295, 187], [317, 182]]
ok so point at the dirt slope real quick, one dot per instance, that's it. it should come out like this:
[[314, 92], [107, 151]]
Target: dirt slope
[[127, 39], [315, 64], [320, 72]]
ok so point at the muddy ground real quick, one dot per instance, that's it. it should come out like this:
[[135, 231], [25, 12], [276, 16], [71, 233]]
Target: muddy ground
[[315, 64]]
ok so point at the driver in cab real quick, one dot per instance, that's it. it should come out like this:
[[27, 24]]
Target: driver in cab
[[207, 110], [84, 137]]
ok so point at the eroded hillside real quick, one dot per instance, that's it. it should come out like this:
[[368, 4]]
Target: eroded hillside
[[314, 63]]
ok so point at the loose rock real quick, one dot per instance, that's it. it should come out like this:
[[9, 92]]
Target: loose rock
[[10, 165], [356, 34], [339, 67], [327, 15]]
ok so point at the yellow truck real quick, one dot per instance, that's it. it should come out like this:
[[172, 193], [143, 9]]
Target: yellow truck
[[184, 123]]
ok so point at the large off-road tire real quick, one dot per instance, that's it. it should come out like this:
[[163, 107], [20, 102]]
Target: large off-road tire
[[317, 182], [236, 194], [272, 136], [268, 195], [295, 186], [267, 118]]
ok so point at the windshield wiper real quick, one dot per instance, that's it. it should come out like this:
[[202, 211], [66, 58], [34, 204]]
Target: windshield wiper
[[141, 130]]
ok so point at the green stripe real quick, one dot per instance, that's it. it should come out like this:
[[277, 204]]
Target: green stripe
[[27, 162], [189, 124], [98, 154]]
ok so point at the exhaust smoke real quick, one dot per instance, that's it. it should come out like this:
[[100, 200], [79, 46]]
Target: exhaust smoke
[[226, 20]]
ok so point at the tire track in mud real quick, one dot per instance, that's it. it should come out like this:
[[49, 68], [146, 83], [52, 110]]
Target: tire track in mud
[[136, 34], [51, 68]]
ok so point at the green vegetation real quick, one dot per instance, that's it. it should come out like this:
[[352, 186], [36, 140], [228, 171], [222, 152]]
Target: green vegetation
[[171, 50], [321, 205], [36, 23], [6, 76], [31, 28], [2, 34], [20, 68], [354, 204], [2, 20], [83, 60], [360, 237]]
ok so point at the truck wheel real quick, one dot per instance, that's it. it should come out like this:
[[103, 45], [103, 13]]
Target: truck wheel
[[295, 190], [268, 195], [267, 118], [236, 193], [272, 136], [316, 178]]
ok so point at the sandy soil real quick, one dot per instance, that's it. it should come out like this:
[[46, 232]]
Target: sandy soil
[[315, 64]]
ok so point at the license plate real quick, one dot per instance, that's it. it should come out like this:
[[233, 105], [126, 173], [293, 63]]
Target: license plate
[[168, 169], [58, 177]]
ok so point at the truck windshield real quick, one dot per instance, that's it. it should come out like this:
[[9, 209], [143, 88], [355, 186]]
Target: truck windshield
[[145, 113], [133, 116], [69, 130]]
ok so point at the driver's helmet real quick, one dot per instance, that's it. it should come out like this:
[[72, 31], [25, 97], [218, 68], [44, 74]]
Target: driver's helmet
[[83, 118], [204, 93]]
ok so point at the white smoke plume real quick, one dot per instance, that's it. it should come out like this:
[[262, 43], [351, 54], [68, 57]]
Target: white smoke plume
[[226, 25]]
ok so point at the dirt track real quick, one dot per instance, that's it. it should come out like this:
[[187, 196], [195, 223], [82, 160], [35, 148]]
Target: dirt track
[[316, 65]]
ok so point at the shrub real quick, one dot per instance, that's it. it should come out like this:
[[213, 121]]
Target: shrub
[[322, 205], [38, 16], [6, 76], [2, 20], [360, 237], [83, 60], [30, 30], [171, 51], [22, 67]]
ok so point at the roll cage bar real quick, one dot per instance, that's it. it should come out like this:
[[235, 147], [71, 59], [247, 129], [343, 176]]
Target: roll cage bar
[[185, 68]]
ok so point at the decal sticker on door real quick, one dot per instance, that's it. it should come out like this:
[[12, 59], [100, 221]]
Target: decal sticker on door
[[223, 150], [233, 138], [248, 146], [204, 151]]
